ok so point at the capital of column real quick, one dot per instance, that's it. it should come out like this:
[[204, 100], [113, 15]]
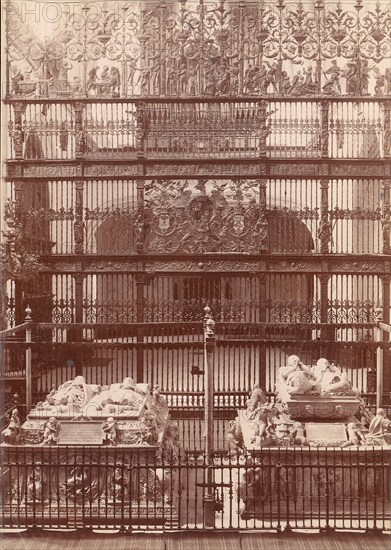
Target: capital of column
[[323, 278], [78, 278]]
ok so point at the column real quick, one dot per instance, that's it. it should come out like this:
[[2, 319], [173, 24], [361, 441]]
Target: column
[[17, 227], [140, 282], [139, 221], [78, 225], [209, 345], [387, 129], [325, 333], [386, 218], [324, 130], [77, 335], [17, 131], [80, 137], [385, 281], [324, 231], [29, 381], [141, 118], [262, 277]]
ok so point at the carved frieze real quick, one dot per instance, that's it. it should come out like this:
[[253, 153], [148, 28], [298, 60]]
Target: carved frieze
[[363, 267], [64, 267], [50, 171], [293, 266], [112, 170], [202, 266], [14, 170], [356, 169], [206, 169], [107, 266], [299, 169]]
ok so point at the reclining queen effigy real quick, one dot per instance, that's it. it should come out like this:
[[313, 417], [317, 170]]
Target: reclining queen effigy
[[108, 446]]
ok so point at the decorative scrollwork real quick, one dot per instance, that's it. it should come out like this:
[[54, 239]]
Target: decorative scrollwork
[[63, 311], [351, 311], [49, 214], [221, 217], [110, 311], [102, 214], [355, 214], [292, 311], [124, 49]]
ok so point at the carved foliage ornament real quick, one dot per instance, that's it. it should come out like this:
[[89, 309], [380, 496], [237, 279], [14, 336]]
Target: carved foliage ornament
[[15, 261]]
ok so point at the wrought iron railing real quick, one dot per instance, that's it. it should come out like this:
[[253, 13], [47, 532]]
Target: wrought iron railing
[[263, 127], [110, 488], [245, 354], [164, 216]]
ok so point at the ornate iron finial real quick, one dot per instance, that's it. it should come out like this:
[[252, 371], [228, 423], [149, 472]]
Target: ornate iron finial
[[28, 312]]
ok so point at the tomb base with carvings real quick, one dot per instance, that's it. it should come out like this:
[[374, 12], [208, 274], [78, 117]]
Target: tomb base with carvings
[[74, 486], [300, 459], [302, 483], [321, 407]]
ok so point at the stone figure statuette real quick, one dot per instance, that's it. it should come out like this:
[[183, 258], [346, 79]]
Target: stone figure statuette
[[298, 434], [251, 413], [51, 432], [158, 405], [235, 434], [151, 428], [257, 395], [11, 433], [379, 429], [118, 484], [262, 423], [109, 431], [355, 435], [280, 428], [35, 486]]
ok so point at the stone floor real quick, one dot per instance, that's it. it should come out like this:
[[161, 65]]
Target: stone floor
[[81, 540]]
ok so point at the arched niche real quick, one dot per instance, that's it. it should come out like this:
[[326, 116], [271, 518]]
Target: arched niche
[[171, 298]]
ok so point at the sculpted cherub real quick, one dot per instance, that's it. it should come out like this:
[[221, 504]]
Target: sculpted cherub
[[355, 435], [109, 430], [51, 432]]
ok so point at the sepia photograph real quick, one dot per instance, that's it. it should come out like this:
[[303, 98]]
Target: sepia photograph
[[195, 267]]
